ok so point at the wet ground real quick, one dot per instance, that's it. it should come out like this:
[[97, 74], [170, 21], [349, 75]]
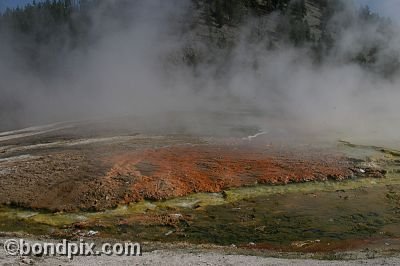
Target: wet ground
[[316, 198]]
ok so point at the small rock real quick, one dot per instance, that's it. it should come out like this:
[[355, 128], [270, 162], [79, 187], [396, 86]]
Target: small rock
[[92, 233], [27, 261], [168, 233], [261, 228]]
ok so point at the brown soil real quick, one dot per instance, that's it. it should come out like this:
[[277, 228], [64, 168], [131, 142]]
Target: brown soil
[[61, 181], [71, 180]]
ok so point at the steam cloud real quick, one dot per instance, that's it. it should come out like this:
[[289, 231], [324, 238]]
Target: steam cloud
[[135, 68]]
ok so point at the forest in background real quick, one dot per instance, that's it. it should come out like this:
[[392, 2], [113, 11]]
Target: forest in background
[[45, 30]]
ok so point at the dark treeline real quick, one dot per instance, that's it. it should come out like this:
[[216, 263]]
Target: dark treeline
[[43, 31], [234, 12]]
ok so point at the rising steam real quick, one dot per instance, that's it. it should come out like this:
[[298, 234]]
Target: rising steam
[[138, 65]]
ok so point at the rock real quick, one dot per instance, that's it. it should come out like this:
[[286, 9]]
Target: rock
[[27, 261], [92, 233], [261, 228], [168, 233]]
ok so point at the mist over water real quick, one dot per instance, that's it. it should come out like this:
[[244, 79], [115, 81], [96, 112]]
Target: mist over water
[[136, 64]]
